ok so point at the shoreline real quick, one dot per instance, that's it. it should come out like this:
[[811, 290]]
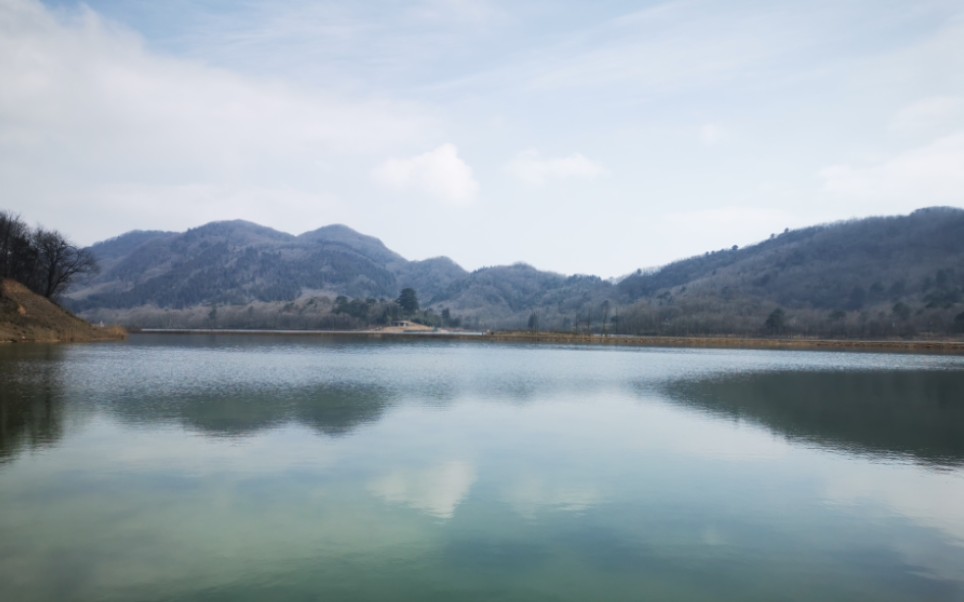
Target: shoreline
[[944, 347], [40, 336]]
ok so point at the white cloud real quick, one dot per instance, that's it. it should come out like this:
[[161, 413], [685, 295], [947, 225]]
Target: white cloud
[[87, 109], [927, 115], [928, 175], [530, 167], [440, 173], [437, 490], [83, 80]]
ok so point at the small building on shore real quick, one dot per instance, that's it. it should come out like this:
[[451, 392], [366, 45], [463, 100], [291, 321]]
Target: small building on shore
[[408, 326]]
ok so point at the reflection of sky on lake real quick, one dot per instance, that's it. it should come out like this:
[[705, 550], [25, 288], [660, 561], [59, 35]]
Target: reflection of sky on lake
[[403, 461], [436, 490]]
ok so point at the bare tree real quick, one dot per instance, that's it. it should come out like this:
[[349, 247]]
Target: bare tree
[[16, 258], [59, 262]]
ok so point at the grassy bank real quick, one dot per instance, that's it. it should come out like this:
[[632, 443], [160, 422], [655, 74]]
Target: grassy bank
[[26, 317]]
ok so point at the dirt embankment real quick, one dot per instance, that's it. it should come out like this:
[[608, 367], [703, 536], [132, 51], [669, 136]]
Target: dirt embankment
[[28, 317]]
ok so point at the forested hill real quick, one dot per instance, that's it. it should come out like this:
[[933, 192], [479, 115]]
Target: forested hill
[[878, 276], [822, 265], [237, 262]]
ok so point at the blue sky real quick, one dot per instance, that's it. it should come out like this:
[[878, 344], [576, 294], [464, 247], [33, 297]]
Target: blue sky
[[579, 137]]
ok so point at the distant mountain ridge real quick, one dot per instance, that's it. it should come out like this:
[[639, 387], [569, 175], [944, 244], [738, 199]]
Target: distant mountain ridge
[[876, 276], [902, 270], [848, 254], [237, 262]]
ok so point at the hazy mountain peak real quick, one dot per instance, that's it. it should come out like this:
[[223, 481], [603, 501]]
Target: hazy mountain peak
[[938, 210], [440, 260], [341, 234], [237, 228], [334, 230]]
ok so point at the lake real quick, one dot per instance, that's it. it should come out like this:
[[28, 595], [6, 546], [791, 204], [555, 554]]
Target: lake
[[232, 467]]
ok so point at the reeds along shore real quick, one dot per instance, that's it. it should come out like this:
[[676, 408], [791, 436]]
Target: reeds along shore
[[903, 346], [949, 347]]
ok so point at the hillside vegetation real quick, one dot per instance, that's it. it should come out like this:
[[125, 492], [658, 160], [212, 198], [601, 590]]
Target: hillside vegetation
[[877, 277]]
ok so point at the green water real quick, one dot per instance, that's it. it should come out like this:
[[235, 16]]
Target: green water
[[288, 468]]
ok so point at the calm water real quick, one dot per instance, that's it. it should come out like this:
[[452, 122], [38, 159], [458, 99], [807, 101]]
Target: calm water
[[263, 468]]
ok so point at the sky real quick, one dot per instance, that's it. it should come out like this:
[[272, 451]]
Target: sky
[[578, 137]]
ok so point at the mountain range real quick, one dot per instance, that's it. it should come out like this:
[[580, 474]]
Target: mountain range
[[878, 276]]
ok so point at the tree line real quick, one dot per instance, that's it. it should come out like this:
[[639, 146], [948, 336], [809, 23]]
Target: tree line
[[318, 312], [43, 260], [381, 312]]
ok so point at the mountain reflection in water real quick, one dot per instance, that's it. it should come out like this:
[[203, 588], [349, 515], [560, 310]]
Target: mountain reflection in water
[[330, 408], [916, 414]]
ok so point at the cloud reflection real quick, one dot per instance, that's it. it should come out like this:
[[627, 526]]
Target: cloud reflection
[[437, 490], [532, 495]]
